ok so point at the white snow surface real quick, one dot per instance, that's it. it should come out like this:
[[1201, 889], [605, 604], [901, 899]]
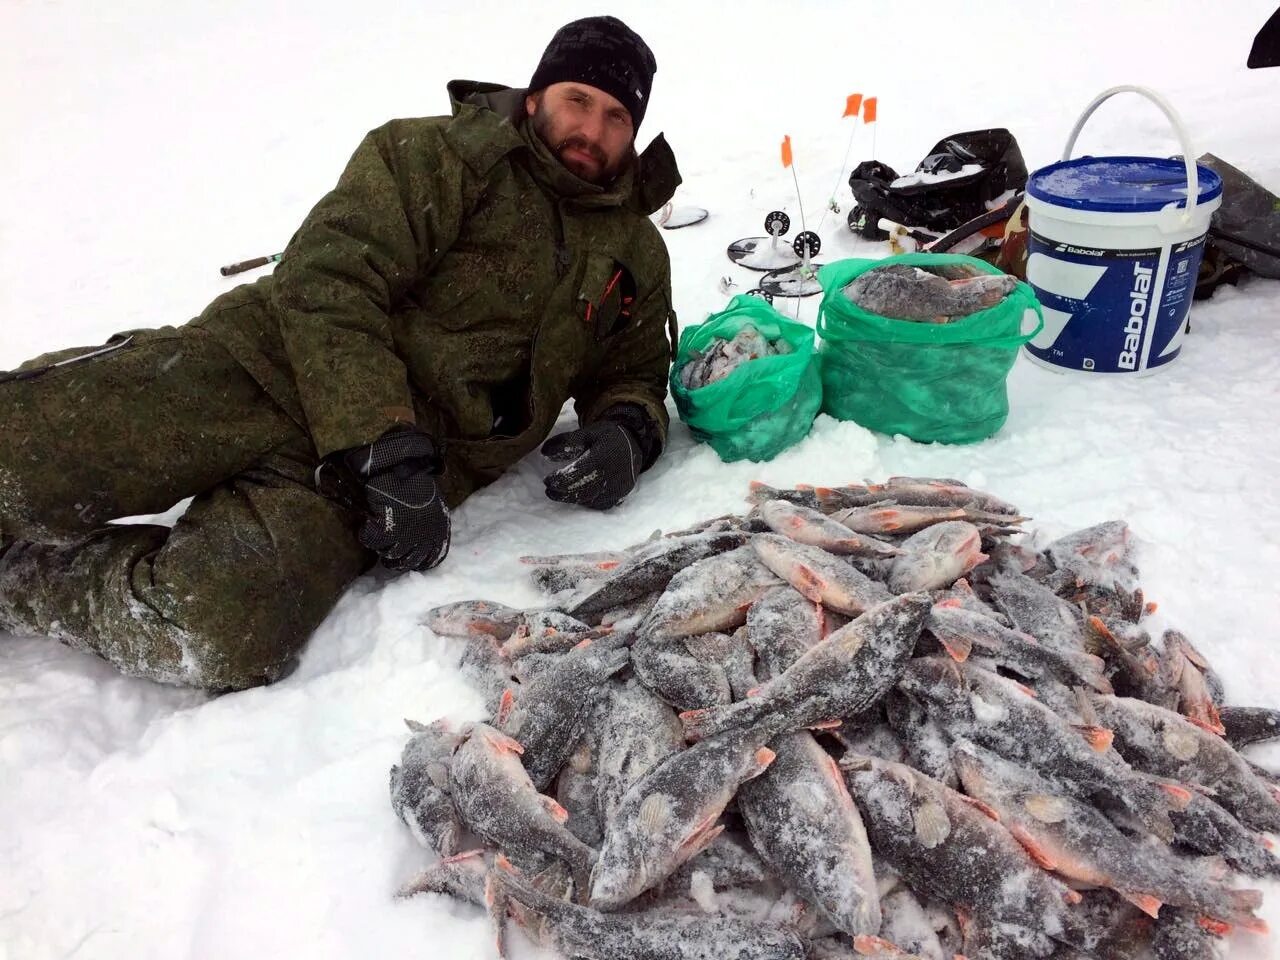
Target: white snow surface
[[148, 142]]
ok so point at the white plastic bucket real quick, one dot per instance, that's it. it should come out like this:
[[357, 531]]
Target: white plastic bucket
[[1114, 249]]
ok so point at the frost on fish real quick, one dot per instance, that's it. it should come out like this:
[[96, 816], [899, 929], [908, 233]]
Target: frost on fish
[[809, 526], [905, 292], [1037, 610], [1247, 725], [781, 626], [1166, 744], [963, 631], [671, 813], [800, 817], [472, 618], [936, 557], [839, 677], [924, 741], [907, 925], [1074, 839], [498, 801], [584, 932], [1199, 690], [818, 575], [650, 568], [669, 669], [546, 714], [728, 863], [576, 791], [722, 356], [1098, 555], [710, 595], [486, 669], [1181, 935], [950, 850], [638, 731], [1007, 718], [420, 787]]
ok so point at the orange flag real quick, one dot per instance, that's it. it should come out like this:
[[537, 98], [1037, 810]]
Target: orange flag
[[869, 110], [786, 150], [852, 105]]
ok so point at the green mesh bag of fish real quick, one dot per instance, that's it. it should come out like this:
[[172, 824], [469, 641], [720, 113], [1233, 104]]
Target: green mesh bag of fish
[[746, 381], [921, 344]]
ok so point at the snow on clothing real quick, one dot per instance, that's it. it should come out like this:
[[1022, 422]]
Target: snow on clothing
[[458, 277]]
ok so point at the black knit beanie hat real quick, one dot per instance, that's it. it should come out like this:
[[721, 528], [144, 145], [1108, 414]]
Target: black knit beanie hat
[[601, 52]]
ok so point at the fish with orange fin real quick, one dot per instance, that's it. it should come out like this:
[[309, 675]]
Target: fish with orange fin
[[759, 493], [1035, 609], [1246, 725], [1137, 668], [712, 594], [1074, 839], [1199, 689], [475, 618], [547, 713], [782, 626], [1182, 935], [961, 632], [1208, 827], [950, 849], [802, 821], [908, 927], [902, 520], [1007, 718], [805, 525], [671, 813], [1097, 555], [650, 567], [839, 677], [1167, 744], [498, 801], [420, 793], [936, 557], [819, 575], [646, 935]]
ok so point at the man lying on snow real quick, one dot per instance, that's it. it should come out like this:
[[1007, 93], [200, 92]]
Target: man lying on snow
[[466, 277]]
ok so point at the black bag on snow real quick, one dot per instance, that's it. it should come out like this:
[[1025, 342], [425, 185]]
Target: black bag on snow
[[940, 195]]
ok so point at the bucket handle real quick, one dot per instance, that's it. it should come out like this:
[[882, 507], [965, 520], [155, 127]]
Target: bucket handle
[[1188, 154]]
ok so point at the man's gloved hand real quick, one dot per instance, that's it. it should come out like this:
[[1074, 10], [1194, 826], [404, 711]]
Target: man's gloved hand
[[606, 459], [408, 524]]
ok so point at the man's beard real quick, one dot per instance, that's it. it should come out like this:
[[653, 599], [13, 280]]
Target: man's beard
[[602, 175]]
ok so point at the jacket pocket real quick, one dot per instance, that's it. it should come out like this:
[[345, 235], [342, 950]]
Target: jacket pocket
[[606, 296]]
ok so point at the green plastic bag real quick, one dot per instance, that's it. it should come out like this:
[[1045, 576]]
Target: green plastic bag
[[763, 406], [929, 381]]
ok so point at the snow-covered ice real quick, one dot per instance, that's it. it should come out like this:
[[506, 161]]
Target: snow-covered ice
[[146, 143]]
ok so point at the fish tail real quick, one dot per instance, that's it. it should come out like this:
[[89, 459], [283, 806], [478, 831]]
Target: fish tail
[[1239, 911], [1091, 670], [700, 724]]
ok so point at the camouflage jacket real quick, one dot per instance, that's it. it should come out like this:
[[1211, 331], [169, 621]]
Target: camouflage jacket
[[457, 261]]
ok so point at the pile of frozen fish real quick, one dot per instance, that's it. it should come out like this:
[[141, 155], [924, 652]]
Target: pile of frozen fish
[[858, 721], [939, 294], [722, 357]]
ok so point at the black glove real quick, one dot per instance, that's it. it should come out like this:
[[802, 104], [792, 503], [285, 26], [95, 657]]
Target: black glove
[[607, 456], [408, 524]]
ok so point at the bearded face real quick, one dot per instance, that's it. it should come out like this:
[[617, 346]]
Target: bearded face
[[589, 131]]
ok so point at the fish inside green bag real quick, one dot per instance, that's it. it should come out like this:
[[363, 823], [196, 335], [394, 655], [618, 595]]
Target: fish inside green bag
[[929, 381], [764, 404]]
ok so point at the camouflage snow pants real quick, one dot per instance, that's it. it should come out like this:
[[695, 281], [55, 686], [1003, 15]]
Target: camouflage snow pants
[[221, 601]]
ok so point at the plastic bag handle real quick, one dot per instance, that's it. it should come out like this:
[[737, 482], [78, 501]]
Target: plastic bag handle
[[1188, 154]]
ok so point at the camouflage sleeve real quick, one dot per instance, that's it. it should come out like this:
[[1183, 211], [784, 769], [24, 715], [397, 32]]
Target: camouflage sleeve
[[396, 204], [635, 368]]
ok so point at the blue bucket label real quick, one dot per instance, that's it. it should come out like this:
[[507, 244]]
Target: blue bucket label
[[1111, 311]]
